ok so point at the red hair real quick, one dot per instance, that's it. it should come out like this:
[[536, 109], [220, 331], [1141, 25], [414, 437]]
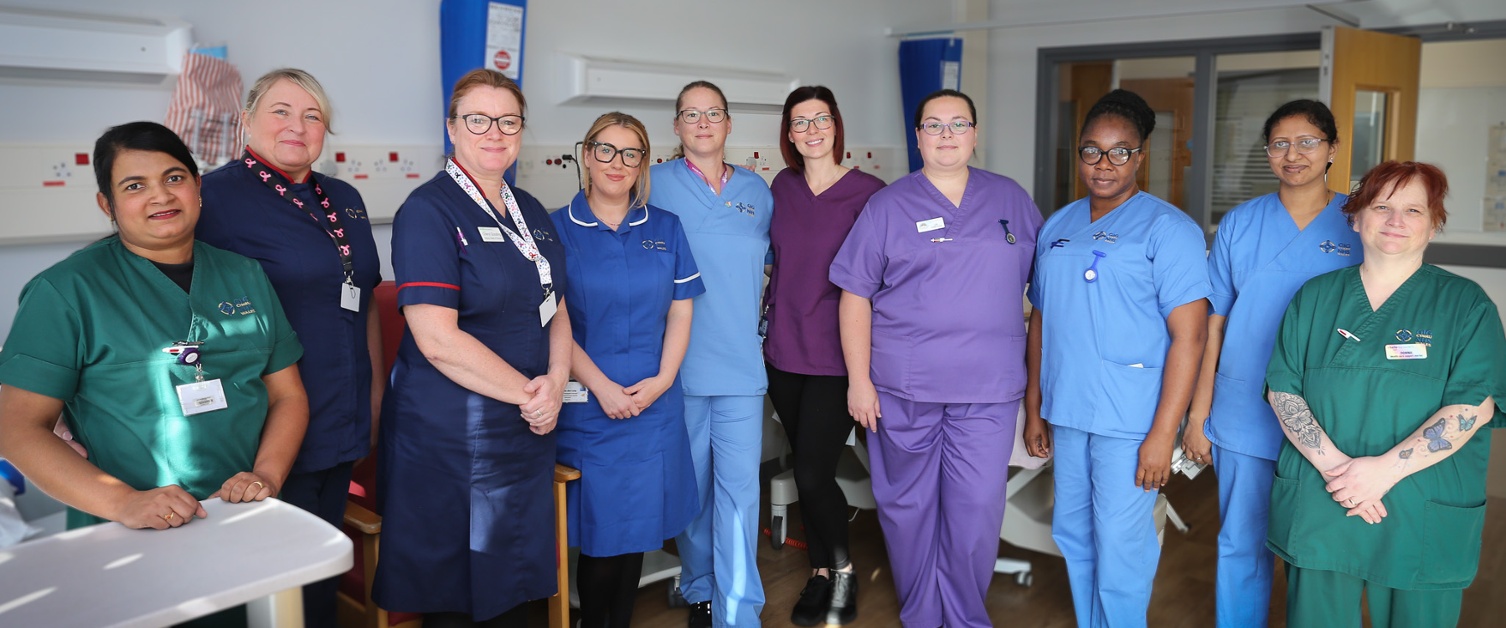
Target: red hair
[[1388, 176]]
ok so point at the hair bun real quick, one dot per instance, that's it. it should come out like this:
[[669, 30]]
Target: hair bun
[[1125, 104]]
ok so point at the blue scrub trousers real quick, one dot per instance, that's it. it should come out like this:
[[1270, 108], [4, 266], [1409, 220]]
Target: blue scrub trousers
[[718, 551], [1105, 527], [1245, 564]]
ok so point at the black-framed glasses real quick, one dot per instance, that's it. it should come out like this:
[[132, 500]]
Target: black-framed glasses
[[935, 127], [691, 116], [1280, 148], [605, 153], [799, 125], [481, 124], [1118, 155]]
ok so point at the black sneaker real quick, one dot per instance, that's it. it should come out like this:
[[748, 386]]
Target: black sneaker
[[815, 600], [700, 614], [844, 598]]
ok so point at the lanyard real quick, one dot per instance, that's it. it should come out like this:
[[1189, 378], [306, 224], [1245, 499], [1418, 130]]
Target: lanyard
[[331, 223], [726, 173], [524, 242]]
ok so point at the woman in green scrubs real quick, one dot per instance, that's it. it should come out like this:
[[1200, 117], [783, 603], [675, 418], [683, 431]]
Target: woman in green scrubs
[[1384, 378], [170, 359]]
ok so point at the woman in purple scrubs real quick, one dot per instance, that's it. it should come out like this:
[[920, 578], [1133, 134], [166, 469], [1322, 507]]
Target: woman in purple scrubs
[[818, 200], [933, 332]]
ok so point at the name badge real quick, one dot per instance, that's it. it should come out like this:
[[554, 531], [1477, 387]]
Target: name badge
[[350, 297], [547, 309], [1411, 351], [930, 225], [575, 392], [201, 397], [491, 234]]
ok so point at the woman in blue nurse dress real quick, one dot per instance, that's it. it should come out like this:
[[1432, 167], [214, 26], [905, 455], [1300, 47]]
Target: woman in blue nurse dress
[[1115, 340], [632, 278], [1264, 251]]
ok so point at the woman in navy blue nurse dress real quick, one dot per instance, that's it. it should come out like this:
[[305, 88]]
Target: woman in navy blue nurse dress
[[466, 449], [632, 278]]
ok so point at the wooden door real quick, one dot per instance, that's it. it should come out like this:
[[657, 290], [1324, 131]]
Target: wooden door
[[1370, 81]]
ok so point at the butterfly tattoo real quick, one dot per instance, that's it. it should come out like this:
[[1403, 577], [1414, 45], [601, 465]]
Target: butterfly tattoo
[[1466, 423], [1434, 434]]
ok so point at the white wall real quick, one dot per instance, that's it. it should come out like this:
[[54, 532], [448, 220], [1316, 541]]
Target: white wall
[[379, 61]]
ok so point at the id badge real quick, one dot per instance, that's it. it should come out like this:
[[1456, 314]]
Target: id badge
[[1412, 351], [491, 234], [933, 224], [201, 397], [547, 309], [350, 297], [575, 392]]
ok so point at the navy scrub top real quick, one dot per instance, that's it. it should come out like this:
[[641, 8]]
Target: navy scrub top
[[243, 216]]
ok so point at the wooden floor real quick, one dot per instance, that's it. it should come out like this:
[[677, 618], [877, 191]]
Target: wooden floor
[[1183, 589]]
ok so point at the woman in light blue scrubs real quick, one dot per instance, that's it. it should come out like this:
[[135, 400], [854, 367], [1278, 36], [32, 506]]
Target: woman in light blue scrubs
[[1115, 340], [726, 213], [1265, 250]]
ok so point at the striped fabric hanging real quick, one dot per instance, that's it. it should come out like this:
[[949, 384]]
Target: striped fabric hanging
[[205, 109]]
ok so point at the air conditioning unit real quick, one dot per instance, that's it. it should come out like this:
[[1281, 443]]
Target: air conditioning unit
[[52, 45], [596, 80]]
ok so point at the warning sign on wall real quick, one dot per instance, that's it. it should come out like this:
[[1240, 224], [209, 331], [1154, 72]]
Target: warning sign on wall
[[504, 38]]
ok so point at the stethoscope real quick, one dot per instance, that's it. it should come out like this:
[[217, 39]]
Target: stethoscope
[[1091, 274]]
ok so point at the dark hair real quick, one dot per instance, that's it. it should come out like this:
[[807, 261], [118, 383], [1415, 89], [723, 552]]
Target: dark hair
[[1316, 113], [943, 93], [1393, 174], [1124, 104], [792, 157], [679, 151], [144, 136]]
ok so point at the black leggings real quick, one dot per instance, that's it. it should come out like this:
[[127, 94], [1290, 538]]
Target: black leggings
[[813, 409], [608, 587], [515, 617]]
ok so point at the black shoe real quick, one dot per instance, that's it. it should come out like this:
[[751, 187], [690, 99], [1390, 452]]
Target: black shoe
[[844, 598], [815, 600], [700, 614]]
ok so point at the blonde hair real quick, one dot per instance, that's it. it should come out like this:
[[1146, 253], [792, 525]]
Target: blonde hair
[[484, 77], [297, 77], [608, 120]]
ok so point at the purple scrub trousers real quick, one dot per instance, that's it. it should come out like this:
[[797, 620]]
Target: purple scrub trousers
[[939, 473]]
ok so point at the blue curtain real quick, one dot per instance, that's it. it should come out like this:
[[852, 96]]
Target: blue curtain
[[925, 65]]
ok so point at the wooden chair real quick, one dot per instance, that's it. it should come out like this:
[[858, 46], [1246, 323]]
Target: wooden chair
[[364, 526]]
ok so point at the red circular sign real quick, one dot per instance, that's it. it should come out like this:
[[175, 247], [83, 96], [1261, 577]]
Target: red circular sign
[[502, 60]]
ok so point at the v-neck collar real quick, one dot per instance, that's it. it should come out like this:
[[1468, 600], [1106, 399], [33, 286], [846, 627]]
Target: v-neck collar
[[935, 193]]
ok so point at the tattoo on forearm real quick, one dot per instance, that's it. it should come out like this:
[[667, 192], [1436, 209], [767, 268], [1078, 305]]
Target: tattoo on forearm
[[1298, 419], [1466, 423], [1435, 436]]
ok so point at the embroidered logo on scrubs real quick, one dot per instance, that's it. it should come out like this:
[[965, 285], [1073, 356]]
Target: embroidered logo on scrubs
[[540, 234], [359, 214], [240, 306], [744, 208], [654, 245], [1327, 246], [1421, 336], [1106, 236]]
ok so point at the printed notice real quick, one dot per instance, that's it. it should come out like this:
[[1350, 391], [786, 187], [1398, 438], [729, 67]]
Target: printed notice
[[504, 39]]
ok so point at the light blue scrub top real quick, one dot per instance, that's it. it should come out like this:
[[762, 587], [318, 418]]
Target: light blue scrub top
[[729, 239], [1259, 260], [1104, 343]]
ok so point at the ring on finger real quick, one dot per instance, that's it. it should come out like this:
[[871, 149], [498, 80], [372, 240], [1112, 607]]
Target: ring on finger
[[258, 484], [168, 516]]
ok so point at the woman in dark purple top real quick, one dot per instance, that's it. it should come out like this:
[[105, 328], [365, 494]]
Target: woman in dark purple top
[[819, 199]]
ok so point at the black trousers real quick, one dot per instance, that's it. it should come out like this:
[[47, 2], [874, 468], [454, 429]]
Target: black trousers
[[608, 588], [323, 493], [813, 409]]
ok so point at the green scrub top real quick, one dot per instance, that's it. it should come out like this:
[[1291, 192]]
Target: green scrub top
[[1368, 403], [92, 331]]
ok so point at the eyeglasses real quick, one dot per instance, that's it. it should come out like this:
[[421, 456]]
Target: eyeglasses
[[1280, 148], [481, 124], [799, 125], [604, 153], [1118, 155], [934, 127], [713, 116]]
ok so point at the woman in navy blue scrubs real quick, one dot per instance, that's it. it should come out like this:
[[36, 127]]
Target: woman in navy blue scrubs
[[311, 235], [467, 452], [632, 278]]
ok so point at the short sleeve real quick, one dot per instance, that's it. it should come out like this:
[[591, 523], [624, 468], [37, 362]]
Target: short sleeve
[[860, 263], [1479, 367], [688, 283], [426, 250], [286, 349], [42, 353], [1289, 355], [1034, 292], [1220, 267], [1179, 264]]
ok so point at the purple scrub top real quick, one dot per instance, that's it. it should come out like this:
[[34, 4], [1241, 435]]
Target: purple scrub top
[[948, 310], [802, 302]]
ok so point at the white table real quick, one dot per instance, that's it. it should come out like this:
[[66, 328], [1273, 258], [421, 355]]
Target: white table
[[107, 575]]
